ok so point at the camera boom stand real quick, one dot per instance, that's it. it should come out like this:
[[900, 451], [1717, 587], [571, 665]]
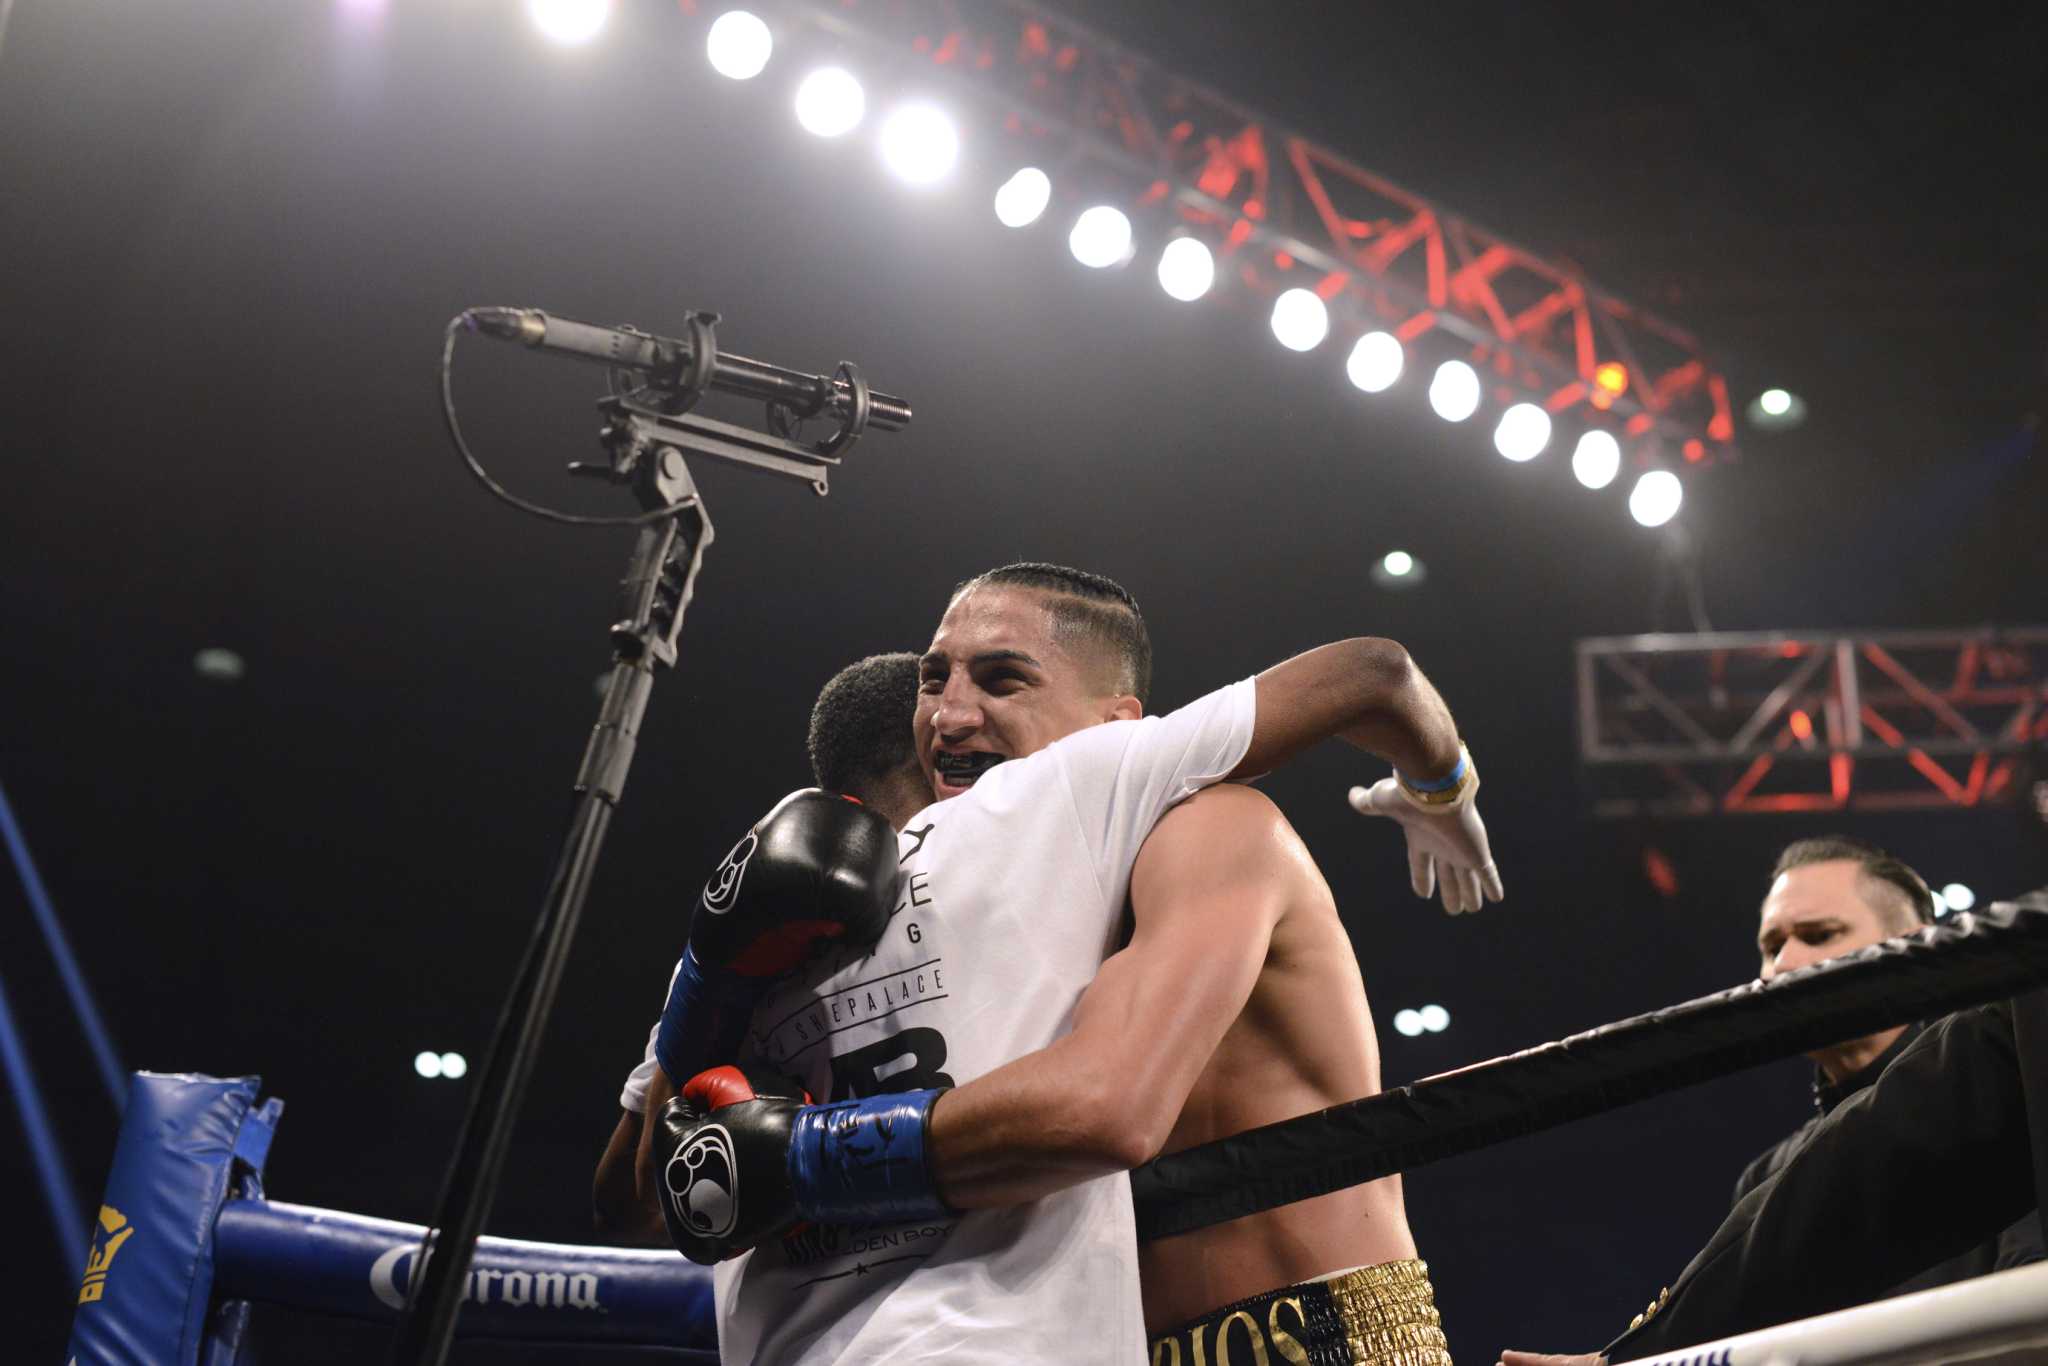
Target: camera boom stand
[[647, 434]]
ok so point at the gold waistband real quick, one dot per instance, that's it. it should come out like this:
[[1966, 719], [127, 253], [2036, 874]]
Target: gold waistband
[[1389, 1314], [1382, 1315]]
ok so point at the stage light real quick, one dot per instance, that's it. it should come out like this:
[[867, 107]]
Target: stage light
[[830, 103], [1101, 237], [569, 21], [919, 144], [1957, 897], [222, 666], [1454, 392], [1596, 460], [1523, 432], [1375, 362], [1776, 410], [1186, 269], [739, 45], [454, 1065], [1300, 320], [1397, 571], [1407, 1022], [1023, 197], [427, 1064], [1655, 498], [1611, 377], [1435, 1019]]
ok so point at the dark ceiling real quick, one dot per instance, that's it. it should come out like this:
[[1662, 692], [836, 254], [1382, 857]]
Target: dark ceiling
[[233, 230]]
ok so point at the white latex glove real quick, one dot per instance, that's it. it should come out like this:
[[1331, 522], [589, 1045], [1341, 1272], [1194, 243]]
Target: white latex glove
[[1446, 845]]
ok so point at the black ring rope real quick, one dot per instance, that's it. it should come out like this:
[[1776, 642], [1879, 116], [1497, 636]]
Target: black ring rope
[[1999, 952]]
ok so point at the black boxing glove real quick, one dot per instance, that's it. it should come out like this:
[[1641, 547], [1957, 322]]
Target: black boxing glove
[[746, 1157], [726, 1120], [818, 869]]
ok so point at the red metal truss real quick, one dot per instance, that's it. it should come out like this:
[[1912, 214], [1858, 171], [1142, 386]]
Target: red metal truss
[[1746, 722], [1282, 211]]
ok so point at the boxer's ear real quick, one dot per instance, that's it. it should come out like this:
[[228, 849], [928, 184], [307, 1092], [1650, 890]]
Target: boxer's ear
[[1122, 708]]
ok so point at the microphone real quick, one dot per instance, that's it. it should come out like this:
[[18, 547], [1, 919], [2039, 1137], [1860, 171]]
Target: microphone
[[624, 349]]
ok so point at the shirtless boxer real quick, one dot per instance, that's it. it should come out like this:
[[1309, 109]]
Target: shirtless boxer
[[1332, 1279], [1009, 678]]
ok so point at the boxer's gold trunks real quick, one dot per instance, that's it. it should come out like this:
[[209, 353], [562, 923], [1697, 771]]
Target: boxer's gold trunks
[[1381, 1315]]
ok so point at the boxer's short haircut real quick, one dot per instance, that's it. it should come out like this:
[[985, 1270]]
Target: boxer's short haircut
[[860, 724], [1892, 889], [1095, 610]]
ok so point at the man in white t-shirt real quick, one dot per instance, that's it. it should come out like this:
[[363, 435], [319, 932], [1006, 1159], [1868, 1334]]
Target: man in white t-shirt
[[965, 1068], [859, 745]]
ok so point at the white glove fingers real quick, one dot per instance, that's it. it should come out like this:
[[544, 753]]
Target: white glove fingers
[[1489, 878], [1421, 871]]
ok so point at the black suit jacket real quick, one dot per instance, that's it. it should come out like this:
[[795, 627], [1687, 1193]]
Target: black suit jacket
[[2017, 1245], [1940, 1154]]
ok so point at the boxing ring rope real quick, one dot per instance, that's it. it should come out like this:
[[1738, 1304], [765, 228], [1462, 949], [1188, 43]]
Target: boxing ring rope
[[1999, 952], [1995, 1318], [353, 1266], [185, 1243], [184, 1240]]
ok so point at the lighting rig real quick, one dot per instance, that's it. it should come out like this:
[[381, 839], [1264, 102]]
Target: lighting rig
[[1220, 201], [1757, 722]]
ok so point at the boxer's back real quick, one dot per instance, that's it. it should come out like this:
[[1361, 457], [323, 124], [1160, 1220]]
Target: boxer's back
[[1303, 1042]]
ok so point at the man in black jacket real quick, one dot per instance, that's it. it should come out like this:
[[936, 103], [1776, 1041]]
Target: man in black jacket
[[1929, 1185], [1830, 896], [1947, 1147]]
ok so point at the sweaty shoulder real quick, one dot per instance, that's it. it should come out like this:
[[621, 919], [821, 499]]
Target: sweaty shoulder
[[1228, 826], [1225, 805], [1230, 836]]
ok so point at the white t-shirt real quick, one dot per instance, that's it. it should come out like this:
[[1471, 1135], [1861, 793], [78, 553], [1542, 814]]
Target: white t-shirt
[[1013, 894]]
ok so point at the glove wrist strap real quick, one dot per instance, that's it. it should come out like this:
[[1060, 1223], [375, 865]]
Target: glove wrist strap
[[705, 1020], [866, 1161]]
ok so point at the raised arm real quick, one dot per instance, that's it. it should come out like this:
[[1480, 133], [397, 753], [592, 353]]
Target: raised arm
[[1369, 692], [1366, 691], [1206, 891]]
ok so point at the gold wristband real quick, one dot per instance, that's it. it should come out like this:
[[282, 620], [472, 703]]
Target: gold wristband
[[1448, 796]]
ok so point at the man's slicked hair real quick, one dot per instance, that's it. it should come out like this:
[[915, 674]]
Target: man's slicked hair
[[1095, 610], [1889, 886], [860, 724]]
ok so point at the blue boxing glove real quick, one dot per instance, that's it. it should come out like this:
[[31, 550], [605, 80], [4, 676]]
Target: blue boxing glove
[[745, 1158], [818, 869]]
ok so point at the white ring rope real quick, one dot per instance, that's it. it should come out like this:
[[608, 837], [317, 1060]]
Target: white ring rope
[[2001, 1318]]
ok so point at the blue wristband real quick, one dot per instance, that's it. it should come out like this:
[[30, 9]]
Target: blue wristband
[[705, 1020], [1445, 784], [864, 1161]]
